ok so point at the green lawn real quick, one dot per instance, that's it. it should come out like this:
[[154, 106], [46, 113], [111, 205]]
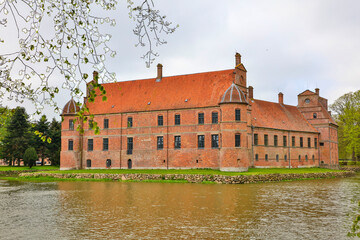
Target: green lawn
[[252, 171], [37, 168]]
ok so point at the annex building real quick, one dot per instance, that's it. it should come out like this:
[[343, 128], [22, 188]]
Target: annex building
[[202, 120]]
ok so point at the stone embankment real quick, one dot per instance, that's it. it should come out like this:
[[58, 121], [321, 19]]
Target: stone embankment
[[193, 178], [15, 173]]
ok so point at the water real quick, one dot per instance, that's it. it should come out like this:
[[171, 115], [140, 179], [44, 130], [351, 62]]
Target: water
[[311, 209]]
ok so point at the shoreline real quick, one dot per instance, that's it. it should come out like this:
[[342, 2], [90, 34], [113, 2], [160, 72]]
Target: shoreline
[[179, 178]]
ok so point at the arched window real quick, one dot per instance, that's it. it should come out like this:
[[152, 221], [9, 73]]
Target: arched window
[[285, 157], [266, 157], [313, 157], [314, 115], [306, 158], [277, 157], [88, 163], [256, 157], [108, 163], [299, 158]]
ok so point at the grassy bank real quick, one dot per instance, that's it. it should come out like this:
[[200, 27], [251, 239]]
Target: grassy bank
[[35, 168], [252, 171]]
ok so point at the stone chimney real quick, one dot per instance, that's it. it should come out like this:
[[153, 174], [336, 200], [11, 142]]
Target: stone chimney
[[237, 59], [95, 76], [251, 92], [317, 91], [281, 98], [159, 72]]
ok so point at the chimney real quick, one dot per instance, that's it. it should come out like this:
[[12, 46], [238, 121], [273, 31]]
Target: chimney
[[159, 72], [251, 92], [281, 98], [95, 76], [317, 91], [237, 59]]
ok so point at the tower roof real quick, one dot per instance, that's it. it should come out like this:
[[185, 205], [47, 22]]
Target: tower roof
[[233, 95], [70, 107]]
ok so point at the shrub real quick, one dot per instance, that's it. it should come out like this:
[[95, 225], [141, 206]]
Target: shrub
[[30, 157]]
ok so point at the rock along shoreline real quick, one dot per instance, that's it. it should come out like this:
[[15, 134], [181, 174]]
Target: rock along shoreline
[[193, 178]]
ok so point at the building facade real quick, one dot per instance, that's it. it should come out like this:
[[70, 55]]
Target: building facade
[[203, 120]]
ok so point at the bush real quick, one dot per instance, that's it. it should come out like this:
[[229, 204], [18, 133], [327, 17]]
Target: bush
[[30, 157]]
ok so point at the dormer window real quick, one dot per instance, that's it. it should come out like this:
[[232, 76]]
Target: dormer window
[[314, 115], [307, 101]]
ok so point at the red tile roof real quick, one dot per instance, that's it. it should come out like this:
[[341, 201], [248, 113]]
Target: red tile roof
[[279, 116], [183, 91]]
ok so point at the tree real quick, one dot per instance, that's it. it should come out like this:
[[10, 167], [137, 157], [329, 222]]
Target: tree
[[40, 143], [64, 37], [5, 116], [30, 157], [55, 146], [17, 137], [347, 109]]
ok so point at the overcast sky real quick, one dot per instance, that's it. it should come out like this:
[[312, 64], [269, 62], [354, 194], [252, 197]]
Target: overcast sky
[[286, 45]]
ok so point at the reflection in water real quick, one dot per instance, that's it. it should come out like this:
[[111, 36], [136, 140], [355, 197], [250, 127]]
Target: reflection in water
[[314, 209]]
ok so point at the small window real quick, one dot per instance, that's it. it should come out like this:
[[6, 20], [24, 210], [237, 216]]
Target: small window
[[306, 158], [293, 141], [90, 145], [201, 141], [88, 163], [214, 117], [91, 124], [301, 142], [105, 144], [70, 145], [314, 115], [71, 124], [284, 141], [160, 142], [313, 158], [130, 122], [177, 142], [256, 157], [307, 101], [299, 158], [285, 157], [201, 118], [215, 141], [106, 123], [160, 120], [266, 140], [275, 140], [237, 140], [266, 157], [237, 115], [108, 163], [321, 144], [130, 145], [309, 142], [256, 139], [277, 157], [315, 142], [177, 119]]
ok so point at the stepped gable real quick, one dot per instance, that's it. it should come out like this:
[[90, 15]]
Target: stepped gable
[[175, 92], [279, 116]]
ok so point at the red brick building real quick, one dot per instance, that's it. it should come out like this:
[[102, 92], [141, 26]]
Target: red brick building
[[202, 120]]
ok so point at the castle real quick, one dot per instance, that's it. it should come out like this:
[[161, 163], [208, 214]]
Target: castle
[[202, 120]]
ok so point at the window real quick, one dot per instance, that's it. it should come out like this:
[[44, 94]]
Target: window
[[256, 157], [299, 158], [177, 119], [214, 117], [277, 157], [177, 142], [160, 142], [309, 142], [266, 140], [201, 141], [108, 163], [130, 145], [266, 157], [275, 140], [160, 120], [106, 123], [293, 141], [88, 163], [215, 141], [284, 141], [313, 158], [237, 115], [70, 145], [256, 139], [306, 158], [71, 124], [237, 140], [105, 144], [307, 101], [201, 118], [321, 144], [314, 115], [91, 124], [129, 122], [301, 142], [285, 157], [315, 142], [90, 144]]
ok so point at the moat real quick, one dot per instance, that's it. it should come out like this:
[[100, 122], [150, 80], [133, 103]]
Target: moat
[[308, 209]]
